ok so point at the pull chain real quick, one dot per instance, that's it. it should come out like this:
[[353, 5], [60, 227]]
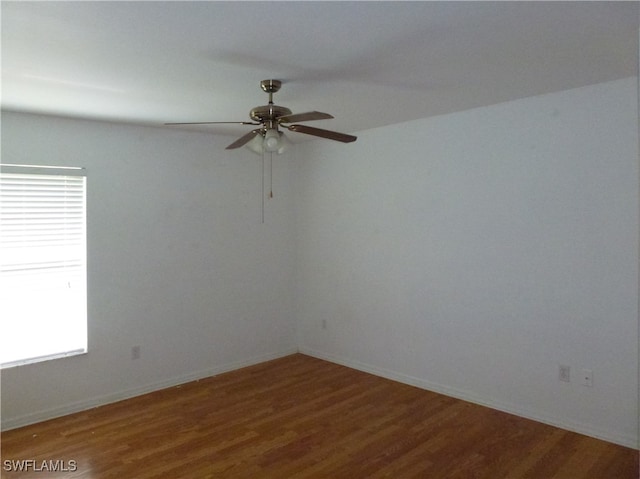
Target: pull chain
[[271, 175], [264, 177]]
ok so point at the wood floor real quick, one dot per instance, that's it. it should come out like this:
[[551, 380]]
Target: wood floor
[[299, 417]]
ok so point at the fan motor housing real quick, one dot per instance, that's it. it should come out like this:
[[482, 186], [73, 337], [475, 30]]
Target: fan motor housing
[[268, 113]]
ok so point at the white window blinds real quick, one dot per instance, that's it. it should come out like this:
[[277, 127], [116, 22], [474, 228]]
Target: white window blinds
[[42, 263]]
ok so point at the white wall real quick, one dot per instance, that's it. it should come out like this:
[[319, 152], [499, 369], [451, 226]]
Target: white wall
[[179, 261], [469, 253], [474, 252]]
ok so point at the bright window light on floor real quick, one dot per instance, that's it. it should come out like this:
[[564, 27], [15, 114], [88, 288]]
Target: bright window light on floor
[[43, 310]]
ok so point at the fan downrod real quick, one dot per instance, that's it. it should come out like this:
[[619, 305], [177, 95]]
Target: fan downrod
[[268, 114]]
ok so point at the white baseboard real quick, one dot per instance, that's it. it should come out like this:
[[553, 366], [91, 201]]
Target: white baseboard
[[627, 441], [39, 416]]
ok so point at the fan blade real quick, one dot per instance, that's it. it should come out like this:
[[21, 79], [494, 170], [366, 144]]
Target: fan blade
[[215, 123], [331, 135], [307, 116], [243, 140]]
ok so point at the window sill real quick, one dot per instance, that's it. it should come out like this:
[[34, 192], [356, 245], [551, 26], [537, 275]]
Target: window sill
[[39, 359]]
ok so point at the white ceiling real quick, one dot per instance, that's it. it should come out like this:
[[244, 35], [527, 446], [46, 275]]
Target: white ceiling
[[367, 63]]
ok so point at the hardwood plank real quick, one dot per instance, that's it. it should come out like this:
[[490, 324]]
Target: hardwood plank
[[300, 417]]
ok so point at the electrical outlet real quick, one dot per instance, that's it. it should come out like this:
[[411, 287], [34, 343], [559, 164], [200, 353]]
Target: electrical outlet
[[564, 373], [587, 377], [324, 324], [135, 352]]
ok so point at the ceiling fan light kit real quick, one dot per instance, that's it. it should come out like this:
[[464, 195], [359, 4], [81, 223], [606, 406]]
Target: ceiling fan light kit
[[268, 138], [271, 140]]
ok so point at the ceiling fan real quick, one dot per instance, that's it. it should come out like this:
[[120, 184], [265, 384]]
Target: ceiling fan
[[271, 118]]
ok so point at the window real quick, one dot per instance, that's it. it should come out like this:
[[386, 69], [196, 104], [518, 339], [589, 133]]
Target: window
[[43, 306]]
